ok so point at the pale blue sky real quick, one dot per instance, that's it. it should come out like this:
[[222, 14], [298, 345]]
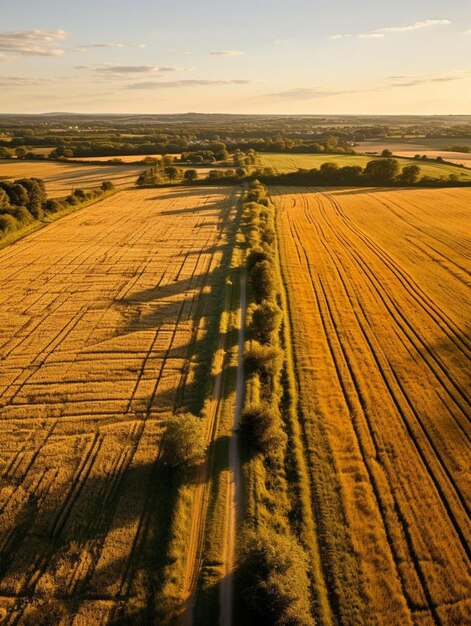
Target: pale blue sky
[[273, 56]]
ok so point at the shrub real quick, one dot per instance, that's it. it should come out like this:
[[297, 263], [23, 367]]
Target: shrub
[[261, 425], [107, 185], [8, 224], [256, 256], [184, 442], [273, 581], [52, 206], [265, 360], [265, 320], [263, 281]]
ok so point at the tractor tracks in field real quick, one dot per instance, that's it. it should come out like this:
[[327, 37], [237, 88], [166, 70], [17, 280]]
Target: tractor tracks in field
[[361, 268]]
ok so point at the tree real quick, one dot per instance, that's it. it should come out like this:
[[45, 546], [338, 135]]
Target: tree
[[382, 171], [107, 185], [410, 174], [184, 442], [386, 153], [4, 201], [260, 423], [172, 172], [20, 152], [5, 153], [273, 581], [190, 176], [265, 320], [263, 280]]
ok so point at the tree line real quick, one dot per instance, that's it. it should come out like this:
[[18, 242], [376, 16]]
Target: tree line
[[377, 172], [24, 201]]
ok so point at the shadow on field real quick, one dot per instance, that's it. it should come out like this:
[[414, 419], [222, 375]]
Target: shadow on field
[[68, 539]]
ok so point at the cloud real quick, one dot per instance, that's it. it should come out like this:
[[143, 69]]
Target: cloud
[[414, 26], [391, 82], [379, 33], [32, 42], [227, 53], [113, 70], [311, 93], [87, 46], [187, 83], [21, 81], [5, 57], [413, 81]]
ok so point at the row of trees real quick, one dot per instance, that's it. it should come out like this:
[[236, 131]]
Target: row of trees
[[272, 581], [24, 201]]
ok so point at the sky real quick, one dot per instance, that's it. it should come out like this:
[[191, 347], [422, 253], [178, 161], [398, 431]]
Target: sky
[[257, 56]]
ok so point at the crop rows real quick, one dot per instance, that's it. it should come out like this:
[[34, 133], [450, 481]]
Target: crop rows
[[377, 289], [103, 317]]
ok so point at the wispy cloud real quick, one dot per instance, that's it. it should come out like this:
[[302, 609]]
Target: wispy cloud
[[413, 81], [112, 70], [32, 42], [22, 81], [413, 26], [187, 83], [379, 33], [391, 82], [310, 93], [227, 53], [87, 46]]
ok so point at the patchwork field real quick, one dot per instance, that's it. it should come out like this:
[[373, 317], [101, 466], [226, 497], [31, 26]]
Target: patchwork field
[[378, 290], [103, 322], [61, 178], [290, 162]]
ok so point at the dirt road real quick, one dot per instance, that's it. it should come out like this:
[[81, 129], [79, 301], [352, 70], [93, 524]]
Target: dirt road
[[234, 495]]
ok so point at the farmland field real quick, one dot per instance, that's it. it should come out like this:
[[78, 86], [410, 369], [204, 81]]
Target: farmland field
[[290, 162], [378, 289], [103, 334], [61, 178]]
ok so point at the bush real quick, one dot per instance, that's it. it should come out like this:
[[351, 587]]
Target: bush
[[52, 206], [107, 185], [272, 581], [265, 360], [256, 256], [8, 224], [260, 423], [263, 281], [265, 320], [184, 442]]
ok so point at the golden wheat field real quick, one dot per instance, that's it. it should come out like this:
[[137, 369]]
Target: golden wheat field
[[62, 178], [378, 291], [103, 318]]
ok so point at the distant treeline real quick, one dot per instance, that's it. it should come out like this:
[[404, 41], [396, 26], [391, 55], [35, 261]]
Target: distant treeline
[[24, 202], [23, 147], [378, 172]]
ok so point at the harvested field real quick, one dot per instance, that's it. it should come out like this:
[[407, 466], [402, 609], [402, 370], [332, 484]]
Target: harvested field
[[103, 322], [378, 289], [61, 178], [290, 162]]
